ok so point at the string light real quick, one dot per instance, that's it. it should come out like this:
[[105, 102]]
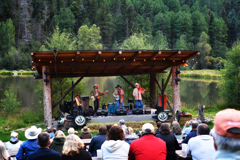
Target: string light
[[82, 59], [61, 61], [114, 59], [93, 60], [104, 60], [144, 59], [78, 52], [72, 59], [124, 59], [50, 61], [159, 52], [39, 60]]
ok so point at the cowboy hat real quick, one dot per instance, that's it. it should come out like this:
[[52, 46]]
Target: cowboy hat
[[85, 129], [33, 132], [118, 86], [96, 85]]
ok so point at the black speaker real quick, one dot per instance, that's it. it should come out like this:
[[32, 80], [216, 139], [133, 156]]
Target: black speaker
[[122, 111], [137, 111], [102, 112], [67, 106]]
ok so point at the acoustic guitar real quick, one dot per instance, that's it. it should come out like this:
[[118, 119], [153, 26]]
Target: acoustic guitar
[[95, 97]]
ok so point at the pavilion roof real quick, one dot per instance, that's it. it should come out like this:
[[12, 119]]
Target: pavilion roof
[[108, 63]]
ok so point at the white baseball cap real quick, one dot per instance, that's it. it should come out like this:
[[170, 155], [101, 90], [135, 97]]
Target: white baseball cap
[[147, 126], [14, 134]]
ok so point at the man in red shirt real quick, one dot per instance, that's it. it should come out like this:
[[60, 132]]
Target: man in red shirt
[[148, 147]]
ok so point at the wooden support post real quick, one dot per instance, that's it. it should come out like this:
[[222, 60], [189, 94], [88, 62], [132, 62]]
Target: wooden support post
[[166, 83], [65, 94], [47, 97], [176, 91], [153, 91], [168, 102]]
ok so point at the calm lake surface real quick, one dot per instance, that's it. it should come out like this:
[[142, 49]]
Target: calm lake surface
[[193, 91]]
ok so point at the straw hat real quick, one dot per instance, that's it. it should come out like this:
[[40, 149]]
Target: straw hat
[[33, 132], [85, 129]]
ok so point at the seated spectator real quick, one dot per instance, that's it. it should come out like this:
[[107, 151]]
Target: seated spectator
[[201, 147], [71, 131], [4, 155], [138, 133], [44, 153], [85, 133], [29, 146], [121, 123], [148, 147], [170, 139], [176, 130], [130, 136], [98, 140], [51, 133], [54, 130], [193, 132], [58, 141], [14, 143], [227, 134], [76, 133], [108, 127], [73, 149], [158, 126], [186, 129], [115, 147]]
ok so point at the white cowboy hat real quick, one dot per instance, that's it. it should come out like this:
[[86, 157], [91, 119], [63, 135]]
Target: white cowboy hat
[[33, 132]]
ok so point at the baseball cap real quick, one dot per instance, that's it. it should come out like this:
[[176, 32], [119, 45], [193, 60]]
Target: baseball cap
[[148, 126], [14, 134], [227, 123], [121, 122]]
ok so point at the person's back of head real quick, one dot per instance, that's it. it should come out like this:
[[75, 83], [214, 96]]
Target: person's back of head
[[54, 130], [227, 130], [176, 129], [147, 128], [129, 130], [159, 124], [43, 140], [102, 130], [76, 133], [50, 131], [121, 122], [72, 145], [115, 133], [203, 129], [108, 127], [164, 129], [3, 152], [71, 130], [194, 125], [59, 134]]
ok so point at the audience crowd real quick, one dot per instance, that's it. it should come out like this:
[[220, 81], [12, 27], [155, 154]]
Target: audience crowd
[[120, 142]]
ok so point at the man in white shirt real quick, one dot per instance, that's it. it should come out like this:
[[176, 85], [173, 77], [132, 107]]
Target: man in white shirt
[[14, 143], [201, 147], [137, 93]]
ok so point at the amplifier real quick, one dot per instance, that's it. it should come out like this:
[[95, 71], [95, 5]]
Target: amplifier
[[122, 111], [102, 112], [137, 111]]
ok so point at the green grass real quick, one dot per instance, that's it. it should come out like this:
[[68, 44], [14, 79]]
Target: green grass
[[5, 72], [213, 74], [26, 72]]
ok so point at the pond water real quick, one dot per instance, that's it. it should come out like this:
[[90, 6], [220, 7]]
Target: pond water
[[193, 91]]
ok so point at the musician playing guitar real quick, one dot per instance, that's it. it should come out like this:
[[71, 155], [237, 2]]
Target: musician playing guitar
[[96, 95], [118, 95], [78, 102], [137, 93]]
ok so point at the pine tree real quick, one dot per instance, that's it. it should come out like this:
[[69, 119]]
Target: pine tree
[[6, 10], [232, 19], [66, 20], [119, 28], [50, 14], [181, 43], [92, 11]]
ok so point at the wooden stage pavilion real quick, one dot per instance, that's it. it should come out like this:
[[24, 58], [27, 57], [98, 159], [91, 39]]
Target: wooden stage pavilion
[[63, 64]]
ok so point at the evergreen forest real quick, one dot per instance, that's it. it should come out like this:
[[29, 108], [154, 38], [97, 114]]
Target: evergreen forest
[[208, 26]]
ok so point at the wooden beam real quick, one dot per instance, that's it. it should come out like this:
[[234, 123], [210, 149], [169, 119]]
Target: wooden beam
[[55, 62], [168, 102], [33, 58], [120, 70], [111, 63], [105, 69], [136, 54], [98, 54], [89, 69], [132, 86], [65, 94], [166, 83], [149, 69], [118, 54], [173, 55], [47, 98], [155, 55], [136, 68], [75, 59]]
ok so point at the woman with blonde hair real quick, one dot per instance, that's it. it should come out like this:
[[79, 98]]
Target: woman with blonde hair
[[129, 135], [58, 141], [73, 149], [4, 155]]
